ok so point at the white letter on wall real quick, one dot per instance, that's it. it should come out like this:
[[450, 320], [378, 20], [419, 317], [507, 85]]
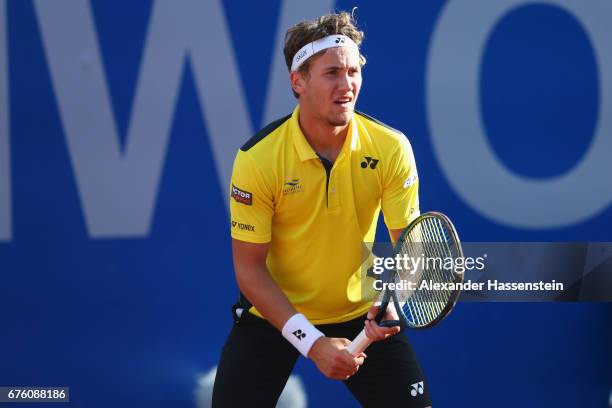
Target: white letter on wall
[[118, 189], [459, 139]]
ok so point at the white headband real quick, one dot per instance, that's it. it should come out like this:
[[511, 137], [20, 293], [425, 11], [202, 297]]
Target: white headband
[[310, 49]]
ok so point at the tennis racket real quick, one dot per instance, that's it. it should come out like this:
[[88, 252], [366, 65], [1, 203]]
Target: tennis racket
[[432, 238]]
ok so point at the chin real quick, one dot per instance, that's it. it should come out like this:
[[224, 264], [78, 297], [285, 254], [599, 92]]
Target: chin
[[342, 119]]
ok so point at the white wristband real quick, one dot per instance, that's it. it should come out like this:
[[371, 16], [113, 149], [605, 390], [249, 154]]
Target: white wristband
[[301, 333]]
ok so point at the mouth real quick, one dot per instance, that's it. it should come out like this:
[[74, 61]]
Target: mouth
[[343, 102]]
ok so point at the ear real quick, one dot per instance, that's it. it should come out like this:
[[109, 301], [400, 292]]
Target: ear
[[298, 82]]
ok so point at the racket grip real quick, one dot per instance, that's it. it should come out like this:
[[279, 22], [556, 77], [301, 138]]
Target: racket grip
[[359, 344]]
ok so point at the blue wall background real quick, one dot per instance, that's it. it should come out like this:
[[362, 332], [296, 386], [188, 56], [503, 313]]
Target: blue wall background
[[134, 320]]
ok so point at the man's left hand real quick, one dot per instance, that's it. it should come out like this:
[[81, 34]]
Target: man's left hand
[[376, 332]]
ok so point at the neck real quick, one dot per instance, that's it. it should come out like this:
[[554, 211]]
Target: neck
[[326, 139]]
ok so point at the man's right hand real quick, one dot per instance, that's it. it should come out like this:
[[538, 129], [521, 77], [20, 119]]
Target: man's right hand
[[333, 359]]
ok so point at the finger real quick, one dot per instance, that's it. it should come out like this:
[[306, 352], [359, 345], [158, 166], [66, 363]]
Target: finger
[[372, 312], [345, 375], [353, 372], [380, 333], [345, 342], [388, 331], [370, 330], [376, 332], [393, 330], [342, 373], [340, 376], [349, 363]]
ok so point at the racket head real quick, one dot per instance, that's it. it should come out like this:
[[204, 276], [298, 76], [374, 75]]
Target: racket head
[[431, 236]]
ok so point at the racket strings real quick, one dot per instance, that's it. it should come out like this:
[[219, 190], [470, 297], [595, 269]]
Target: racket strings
[[438, 244], [412, 246], [425, 303], [430, 241], [430, 301], [441, 249]]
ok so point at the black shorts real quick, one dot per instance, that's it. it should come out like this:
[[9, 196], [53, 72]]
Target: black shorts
[[256, 362]]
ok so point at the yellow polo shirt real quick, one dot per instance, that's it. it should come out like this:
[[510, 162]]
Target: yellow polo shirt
[[316, 226]]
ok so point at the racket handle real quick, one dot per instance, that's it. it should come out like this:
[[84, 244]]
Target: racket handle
[[360, 343]]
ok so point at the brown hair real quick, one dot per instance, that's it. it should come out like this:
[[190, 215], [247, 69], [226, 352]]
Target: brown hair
[[308, 31]]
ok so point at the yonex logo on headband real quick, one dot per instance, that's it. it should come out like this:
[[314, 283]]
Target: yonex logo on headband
[[331, 41]]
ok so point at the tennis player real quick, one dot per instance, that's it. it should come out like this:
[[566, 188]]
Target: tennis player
[[305, 194]]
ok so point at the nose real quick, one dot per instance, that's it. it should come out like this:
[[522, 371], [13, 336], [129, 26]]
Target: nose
[[345, 83]]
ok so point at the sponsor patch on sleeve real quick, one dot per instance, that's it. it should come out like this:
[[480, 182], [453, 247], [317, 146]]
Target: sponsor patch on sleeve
[[410, 180], [242, 196]]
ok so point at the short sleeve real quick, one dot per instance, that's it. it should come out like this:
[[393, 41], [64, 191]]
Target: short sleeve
[[400, 197], [251, 202]]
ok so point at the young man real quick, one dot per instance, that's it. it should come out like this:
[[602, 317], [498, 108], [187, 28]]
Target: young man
[[306, 192]]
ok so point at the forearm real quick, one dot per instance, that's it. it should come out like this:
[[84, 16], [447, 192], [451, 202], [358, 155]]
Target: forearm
[[261, 290], [258, 286]]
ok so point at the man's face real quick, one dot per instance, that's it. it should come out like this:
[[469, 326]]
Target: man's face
[[329, 91]]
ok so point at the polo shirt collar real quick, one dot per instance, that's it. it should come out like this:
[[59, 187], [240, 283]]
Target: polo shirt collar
[[305, 151]]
